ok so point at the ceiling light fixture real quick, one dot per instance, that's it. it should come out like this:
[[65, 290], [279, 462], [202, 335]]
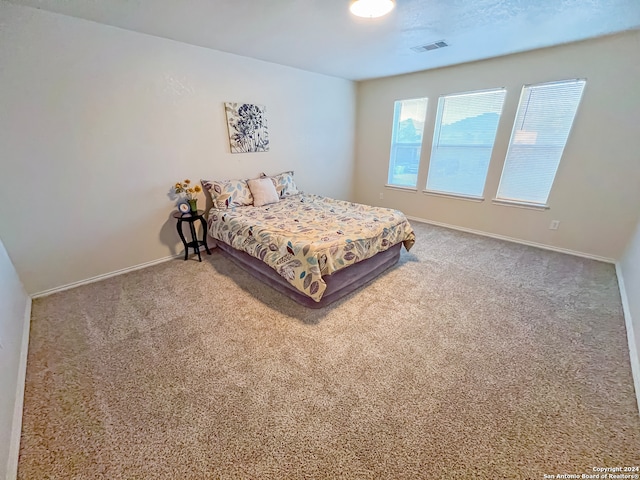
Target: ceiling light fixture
[[371, 8]]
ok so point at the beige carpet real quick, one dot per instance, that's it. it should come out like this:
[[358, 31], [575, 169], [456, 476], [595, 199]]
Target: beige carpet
[[473, 358]]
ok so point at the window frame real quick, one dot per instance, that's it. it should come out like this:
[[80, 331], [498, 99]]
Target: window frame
[[513, 202], [397, 109], [436, 133]]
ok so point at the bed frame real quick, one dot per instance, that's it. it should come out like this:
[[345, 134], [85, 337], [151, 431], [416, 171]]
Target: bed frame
[[339, 284]]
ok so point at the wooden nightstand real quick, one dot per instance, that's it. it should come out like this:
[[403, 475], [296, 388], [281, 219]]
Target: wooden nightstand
[[191, 218]]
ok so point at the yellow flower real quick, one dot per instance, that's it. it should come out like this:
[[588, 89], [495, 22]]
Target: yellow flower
[[186, 190]]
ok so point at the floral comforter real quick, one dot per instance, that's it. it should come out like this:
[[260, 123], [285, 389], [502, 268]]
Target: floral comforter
[[304, 237]]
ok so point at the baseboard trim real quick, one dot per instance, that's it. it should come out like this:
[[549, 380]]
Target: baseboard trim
[[631, 339], [515, 240], [115, 273], [97, 278], [16, 426]]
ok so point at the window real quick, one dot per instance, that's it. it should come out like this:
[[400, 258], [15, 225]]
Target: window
[[406, 141], [465, 131], [545, 115]]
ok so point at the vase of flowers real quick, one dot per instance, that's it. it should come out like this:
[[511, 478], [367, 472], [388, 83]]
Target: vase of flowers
[[190, 193]]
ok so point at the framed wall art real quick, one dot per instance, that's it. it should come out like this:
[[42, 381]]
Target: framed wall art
[[247, 127]]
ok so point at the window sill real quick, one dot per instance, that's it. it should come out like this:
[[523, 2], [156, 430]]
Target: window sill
[[399, 187], [470, 198], [515, 203]]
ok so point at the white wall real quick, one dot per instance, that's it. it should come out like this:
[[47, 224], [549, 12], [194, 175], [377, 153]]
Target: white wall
[[595, 195], [96, 124], [629, 270], [15, 307]]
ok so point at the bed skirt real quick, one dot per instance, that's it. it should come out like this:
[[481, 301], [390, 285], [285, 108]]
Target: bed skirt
[[339, 284]]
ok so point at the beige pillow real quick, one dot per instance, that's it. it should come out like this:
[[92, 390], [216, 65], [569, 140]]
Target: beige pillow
[[263, 191], [228, 193]]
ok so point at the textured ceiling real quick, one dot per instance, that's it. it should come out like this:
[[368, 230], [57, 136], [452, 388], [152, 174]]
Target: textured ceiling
[[322, 36]]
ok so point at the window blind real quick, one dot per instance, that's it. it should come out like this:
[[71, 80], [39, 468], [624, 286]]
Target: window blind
[[463, 139], [544, 119]]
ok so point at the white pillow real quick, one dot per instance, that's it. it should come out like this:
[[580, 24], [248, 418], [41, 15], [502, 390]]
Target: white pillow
[[263, 191]]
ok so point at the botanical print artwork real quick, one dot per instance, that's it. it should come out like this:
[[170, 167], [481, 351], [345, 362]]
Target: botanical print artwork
[[247, 127]]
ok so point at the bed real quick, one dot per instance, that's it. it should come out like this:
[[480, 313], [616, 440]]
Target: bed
[[312, 248]]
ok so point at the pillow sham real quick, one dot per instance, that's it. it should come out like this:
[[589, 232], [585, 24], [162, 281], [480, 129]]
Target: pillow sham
[[228, 193], [284, 184], [263, 191]]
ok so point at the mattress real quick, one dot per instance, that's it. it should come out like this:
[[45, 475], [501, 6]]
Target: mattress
[[305, 238]]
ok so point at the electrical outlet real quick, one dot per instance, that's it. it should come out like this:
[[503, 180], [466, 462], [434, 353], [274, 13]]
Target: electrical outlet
[[554, 224], [381, 195]]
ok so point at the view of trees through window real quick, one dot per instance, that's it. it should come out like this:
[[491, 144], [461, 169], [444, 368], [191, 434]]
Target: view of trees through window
[[466, 126], [408, 126]]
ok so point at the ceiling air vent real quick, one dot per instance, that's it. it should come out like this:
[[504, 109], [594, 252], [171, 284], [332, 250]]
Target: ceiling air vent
[[430, 46]]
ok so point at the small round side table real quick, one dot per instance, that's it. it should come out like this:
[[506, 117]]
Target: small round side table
[[191, 218]]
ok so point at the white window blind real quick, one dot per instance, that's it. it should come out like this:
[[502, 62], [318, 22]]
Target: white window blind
[[463, 138], [406, 141], [545, 115]]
